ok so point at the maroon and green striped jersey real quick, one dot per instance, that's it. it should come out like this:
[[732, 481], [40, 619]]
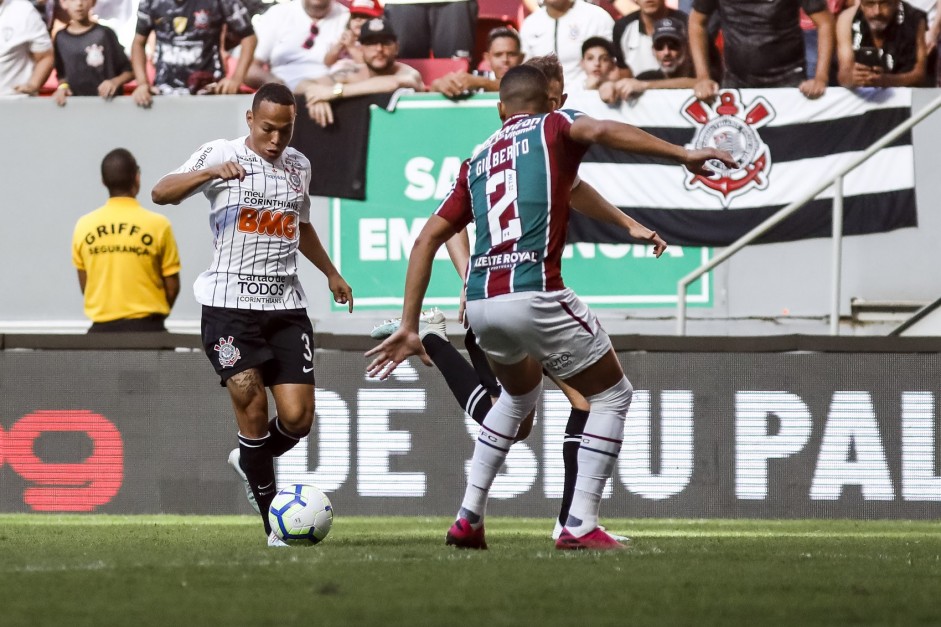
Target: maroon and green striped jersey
[[516, 189]]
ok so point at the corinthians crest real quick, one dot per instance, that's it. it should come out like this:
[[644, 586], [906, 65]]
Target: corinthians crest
[[731, 125], [228, 354]]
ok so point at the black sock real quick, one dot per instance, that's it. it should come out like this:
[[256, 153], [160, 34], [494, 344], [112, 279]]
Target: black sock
[[258, 465], [481, 365], [280, 440], [460, 377], [570, 444]]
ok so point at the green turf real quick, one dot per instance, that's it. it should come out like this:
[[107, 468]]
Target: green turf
[[190, 571]]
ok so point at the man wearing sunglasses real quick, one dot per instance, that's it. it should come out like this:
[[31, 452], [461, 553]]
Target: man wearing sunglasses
[[674, 67], [381, 73], [633, 36]]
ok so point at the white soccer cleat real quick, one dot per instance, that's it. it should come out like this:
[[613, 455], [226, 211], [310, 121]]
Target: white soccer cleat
[[432, 321], [274, 540], [234, 461], [429, 321]]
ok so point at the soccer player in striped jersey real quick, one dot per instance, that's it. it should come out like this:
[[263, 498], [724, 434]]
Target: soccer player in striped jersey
[[255, 327], [517, 189]]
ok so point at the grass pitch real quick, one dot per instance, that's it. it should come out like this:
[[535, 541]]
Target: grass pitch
[[182, 571]]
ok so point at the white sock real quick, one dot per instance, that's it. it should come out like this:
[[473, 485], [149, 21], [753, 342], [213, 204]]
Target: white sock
[[493, 444], [597, 455]]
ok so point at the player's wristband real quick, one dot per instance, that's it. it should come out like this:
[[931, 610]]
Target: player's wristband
[[338, 90], [63, 85]]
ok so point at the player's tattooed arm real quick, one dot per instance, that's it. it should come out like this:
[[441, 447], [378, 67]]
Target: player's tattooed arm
[[174, 188]]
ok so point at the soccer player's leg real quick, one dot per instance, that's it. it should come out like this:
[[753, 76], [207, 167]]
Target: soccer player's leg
[[522, 385], [609, 394], [234, 344], [571, 441], [250, 402], [290, 375], [575, 349]]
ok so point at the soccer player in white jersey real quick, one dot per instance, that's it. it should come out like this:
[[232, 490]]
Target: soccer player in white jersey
[[255, 327], [517, 189]]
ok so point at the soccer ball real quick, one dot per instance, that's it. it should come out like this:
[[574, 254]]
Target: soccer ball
[[301, 514]]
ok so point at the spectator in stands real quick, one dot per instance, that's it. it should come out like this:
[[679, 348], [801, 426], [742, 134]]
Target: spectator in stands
[[810, 34], [89, 59], [381, 73], [615, 9], [674, 71], [881, 43], [598, 62], [25, 49], [126, 256], [294, 39], [347, 48], [764, 45], [120, 16], [633, 36], [187, 57], [445, 29], [561, 27], [503, 52]]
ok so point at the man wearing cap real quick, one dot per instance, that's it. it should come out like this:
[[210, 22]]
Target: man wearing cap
[[293, 41], [633, 36], [347, 49], [674, 71], [380, 73]]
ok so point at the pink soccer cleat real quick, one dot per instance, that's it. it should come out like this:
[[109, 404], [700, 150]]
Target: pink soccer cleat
[[595, 540], [463, 536]]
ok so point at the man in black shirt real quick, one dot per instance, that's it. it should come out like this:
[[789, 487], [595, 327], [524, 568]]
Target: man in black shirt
[[882, 44], [187, 58], [764, 46]]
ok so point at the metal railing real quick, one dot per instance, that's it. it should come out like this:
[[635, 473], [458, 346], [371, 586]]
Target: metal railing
[[836, 181]]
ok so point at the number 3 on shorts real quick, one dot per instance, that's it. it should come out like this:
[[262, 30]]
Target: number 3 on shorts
[[513, 230], [307, 354]]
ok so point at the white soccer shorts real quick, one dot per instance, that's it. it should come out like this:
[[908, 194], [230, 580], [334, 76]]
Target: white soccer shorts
[[555, 328]]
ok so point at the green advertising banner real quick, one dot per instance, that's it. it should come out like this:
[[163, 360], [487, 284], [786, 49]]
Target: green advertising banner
[[413, 158]]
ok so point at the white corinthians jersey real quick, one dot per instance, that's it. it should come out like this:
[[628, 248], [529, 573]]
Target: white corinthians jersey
[[255, 228]]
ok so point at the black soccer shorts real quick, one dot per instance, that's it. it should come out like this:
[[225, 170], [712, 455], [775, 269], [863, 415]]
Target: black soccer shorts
[[279, 343]]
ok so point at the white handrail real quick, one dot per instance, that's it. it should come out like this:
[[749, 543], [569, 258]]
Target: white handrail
[[682, 285]]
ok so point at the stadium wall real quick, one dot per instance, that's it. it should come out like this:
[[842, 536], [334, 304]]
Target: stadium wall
[[50, 158], [848, 431]]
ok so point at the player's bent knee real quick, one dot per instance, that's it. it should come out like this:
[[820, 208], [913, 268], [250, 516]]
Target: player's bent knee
[[520, 405], [616, 399], [299, 421]]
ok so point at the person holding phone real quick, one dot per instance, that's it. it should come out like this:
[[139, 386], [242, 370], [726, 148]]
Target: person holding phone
[[882, 44]]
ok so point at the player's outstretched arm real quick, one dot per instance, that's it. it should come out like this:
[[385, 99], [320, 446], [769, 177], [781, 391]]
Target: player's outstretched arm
[[175, 188], [587, 200], [405, 341], [311, 247], [620, 136]]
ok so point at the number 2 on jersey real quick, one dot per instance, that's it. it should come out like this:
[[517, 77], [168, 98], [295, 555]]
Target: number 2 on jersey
[[513, 229]]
